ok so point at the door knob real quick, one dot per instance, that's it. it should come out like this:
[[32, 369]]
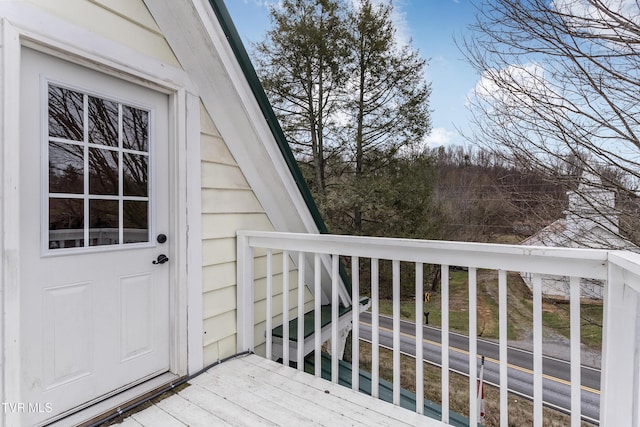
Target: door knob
[[162, 258]]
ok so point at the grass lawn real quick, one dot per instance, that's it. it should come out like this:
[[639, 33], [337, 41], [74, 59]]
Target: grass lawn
[[520, 410], [519, 313]]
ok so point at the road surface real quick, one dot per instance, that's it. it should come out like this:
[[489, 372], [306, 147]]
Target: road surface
[[556, 372]]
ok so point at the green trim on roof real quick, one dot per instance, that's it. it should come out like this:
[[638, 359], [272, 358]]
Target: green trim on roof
[[250, 74], [267, 110]]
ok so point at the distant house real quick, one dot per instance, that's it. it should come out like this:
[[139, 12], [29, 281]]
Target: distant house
[[590, 222], [134, 144]]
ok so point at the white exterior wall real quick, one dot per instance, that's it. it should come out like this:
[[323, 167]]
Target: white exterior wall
[[123, 21], [228, 202]]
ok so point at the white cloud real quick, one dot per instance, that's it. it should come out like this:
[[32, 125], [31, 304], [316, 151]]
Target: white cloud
[[440, 136], [597, 19], [525, 76], [515, 86]]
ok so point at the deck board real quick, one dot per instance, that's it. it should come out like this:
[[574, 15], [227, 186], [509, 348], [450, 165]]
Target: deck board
[[188, 413], [253, 391], [296, 387], [295, 396], [154, 416], [228, 411], [130, 422]]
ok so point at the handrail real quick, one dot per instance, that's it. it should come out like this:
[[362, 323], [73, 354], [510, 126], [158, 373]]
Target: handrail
[[587, 263], [619, 269]]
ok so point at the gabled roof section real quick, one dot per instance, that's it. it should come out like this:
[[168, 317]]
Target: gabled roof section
[[242, 56], [208, 48]]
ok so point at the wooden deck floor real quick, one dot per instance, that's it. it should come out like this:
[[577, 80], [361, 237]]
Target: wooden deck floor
[[253, 391]]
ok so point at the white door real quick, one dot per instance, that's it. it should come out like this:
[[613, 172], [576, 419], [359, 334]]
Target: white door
[[94, 286]]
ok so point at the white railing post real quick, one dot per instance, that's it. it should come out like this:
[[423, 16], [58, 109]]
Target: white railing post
[[285, 308], [537, 350], [396, 330], [618, 351], [245, 339], [375, 328], [419, 338], [300, 337], [269, 308], [355, 331], [621, 342], [574, 333], [317, 316], [335, 345], [503, 337], [444, 285], [473, 348]]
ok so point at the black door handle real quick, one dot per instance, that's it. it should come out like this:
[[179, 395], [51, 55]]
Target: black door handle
[[162, 258]]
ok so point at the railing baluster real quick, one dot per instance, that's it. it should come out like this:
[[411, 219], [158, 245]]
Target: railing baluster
[[537, 350], [503, 336], [301, 288], [269, 315], [396, 331], [619, 391], [574, 331], [473, 348], [285, 308], [619, 340], [375, 329], [419, 339], [245, 295], [335, 279], [445, 342], [317, 307], [355, 332]]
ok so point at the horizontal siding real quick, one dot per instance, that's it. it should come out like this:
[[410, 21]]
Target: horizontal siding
[[217, 175], [219, 327], [223, 348], [228, 205], [134, 11], [225, 225], [219, 276], [124, 21], [219, 301], [213, 149], [208, 128], [230, 201], [218, 251]]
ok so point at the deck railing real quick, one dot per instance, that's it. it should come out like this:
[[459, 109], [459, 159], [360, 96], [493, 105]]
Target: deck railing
[[316, 260]]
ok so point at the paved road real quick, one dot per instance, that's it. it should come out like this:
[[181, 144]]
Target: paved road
[[556, 388]]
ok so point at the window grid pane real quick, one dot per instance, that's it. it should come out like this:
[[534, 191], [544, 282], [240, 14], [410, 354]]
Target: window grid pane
[[98, 152]]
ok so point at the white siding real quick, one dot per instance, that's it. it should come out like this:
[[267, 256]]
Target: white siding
[[229, 204], [228, 201], [125, 21]]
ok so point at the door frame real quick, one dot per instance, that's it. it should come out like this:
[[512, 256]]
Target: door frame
[[22, 25]]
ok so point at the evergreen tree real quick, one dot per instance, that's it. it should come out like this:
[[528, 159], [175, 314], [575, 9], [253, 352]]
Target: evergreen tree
[[302, 64], [353, 102], [390, 106]]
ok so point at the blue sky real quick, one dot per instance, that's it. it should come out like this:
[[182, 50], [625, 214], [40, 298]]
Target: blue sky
[[431, 25]]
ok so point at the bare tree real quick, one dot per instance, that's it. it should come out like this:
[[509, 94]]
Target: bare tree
[[560, 90]]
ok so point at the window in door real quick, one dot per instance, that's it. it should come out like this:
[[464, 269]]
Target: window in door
[[98, 177]]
